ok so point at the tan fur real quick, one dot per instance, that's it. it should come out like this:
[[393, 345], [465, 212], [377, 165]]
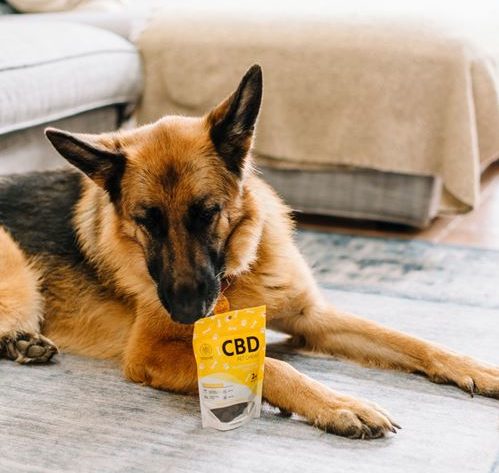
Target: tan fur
[[124, 319], [21, 306]]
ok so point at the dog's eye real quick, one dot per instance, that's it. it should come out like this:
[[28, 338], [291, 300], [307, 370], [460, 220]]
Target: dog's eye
[[200, 216], [206, 215], [152, 220]]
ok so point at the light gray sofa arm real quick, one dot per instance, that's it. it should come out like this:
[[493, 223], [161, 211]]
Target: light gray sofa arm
[[121, 23]]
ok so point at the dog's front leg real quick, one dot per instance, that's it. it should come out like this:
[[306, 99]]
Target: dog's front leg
[[159, 353], [326, 329], [292, 391]]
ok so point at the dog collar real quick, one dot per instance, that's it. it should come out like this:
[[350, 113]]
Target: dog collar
[[224, 284]]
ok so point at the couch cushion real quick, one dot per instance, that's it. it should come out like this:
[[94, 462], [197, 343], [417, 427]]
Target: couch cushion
[[127, 23], [53, 70]]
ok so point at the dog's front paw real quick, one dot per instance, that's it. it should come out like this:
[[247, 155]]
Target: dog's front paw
[[27, 348], [470, 375], [355, 419]]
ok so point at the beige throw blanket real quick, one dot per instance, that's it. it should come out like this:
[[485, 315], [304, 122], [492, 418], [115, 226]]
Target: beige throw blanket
[[393, 92]]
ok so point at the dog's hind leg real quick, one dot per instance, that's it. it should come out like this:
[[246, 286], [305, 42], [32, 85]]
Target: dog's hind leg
[[21, 307]]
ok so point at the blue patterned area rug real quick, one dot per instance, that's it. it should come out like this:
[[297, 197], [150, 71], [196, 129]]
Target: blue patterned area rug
[[80, 415], [410, 269]]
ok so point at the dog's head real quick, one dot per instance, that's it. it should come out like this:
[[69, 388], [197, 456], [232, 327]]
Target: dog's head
[[177, 188]]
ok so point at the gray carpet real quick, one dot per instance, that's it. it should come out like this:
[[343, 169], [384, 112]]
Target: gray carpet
[[79, 415], [411, 269]]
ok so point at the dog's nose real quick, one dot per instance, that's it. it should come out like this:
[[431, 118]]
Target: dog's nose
[[188, 303]]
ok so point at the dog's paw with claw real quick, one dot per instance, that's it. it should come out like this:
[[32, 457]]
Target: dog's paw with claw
[[27, 348], [356, 419], [469, 374]]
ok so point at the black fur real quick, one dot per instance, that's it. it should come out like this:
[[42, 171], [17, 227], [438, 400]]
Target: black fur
[[199, 217], [154, 222], [37, 209], [154, 259], [113, 179], [170, 177]]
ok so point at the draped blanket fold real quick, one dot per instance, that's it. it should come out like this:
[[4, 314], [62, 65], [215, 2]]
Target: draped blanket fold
[[395, 93]]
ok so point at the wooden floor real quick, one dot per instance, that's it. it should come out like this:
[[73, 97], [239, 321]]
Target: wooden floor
[[479, 228]]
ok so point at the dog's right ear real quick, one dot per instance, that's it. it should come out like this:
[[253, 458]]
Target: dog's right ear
[[98, 156]]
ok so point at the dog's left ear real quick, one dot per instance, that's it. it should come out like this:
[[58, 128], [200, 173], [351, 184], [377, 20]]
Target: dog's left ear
[[233, 121], [98, 156]]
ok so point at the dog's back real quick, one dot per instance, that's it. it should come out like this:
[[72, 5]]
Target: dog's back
[[37, 210]]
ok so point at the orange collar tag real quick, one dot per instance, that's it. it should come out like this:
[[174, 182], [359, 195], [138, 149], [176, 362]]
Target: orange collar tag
[[222, 305]]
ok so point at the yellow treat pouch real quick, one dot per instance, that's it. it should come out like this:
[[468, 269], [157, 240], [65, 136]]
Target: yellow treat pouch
[[230, 354]]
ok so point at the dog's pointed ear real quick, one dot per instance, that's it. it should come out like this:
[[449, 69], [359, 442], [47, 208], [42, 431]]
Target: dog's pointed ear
[[99, 156], [233, 121]]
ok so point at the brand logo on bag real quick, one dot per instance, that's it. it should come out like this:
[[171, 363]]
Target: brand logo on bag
[[206, 350], [239, 346]]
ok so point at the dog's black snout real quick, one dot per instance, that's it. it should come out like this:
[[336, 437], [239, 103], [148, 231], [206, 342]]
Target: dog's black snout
[[187, 304], [190, 302]]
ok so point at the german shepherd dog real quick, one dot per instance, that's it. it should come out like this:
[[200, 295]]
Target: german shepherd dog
[[117, 260]]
